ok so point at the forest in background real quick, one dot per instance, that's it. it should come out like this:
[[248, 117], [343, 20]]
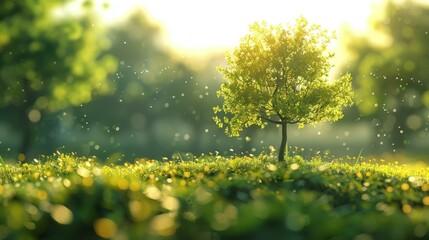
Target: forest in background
[[145, 101]]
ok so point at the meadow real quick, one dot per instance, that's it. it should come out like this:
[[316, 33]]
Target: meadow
[[64, 196]]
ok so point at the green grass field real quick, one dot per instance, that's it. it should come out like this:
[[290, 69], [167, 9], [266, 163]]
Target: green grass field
[[213, 197]]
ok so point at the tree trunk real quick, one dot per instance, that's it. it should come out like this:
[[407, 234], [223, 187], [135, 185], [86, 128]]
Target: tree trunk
[[27, 134], [283, 144], [27, 125], [400, 134]]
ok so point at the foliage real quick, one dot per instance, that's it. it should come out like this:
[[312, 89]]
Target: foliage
[[280, 75], [213, 197], [389, 65], [49, 61], [58, 56]]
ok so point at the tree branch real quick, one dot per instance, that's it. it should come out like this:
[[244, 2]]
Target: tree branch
[[270, 120], [262, 114]]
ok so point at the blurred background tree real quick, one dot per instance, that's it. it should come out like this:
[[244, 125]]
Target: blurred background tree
[[48, 62], [389, 65]]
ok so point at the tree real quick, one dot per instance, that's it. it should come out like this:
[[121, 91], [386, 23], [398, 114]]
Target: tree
[[49, 62], [280, 75], [390, 67]]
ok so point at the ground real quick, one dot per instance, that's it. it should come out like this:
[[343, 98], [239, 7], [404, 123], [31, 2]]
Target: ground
[[214, 197]]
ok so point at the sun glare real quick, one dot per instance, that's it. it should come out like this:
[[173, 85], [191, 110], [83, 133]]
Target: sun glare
[[195, 25]]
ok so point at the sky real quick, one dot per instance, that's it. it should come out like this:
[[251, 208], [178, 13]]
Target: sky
[[200, 25]]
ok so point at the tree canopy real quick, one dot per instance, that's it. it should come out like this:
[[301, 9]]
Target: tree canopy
[[280, 75]]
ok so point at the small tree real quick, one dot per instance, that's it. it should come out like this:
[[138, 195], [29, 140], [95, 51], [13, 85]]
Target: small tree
[[280, 75]]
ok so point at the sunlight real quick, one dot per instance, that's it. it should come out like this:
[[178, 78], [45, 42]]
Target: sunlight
[[193, 25]]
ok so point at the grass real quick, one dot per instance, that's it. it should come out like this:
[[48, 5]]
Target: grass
[[213, 197]]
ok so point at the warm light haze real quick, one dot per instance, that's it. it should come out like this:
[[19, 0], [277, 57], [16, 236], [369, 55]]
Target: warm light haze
[[195, 25]]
